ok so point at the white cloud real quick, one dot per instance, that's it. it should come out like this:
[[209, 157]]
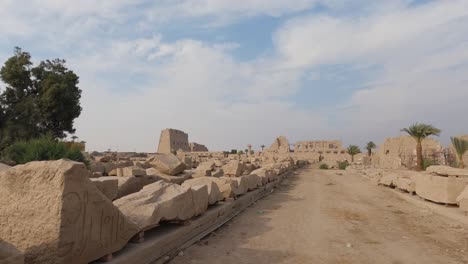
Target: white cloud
[[421, 53], [136, 84]]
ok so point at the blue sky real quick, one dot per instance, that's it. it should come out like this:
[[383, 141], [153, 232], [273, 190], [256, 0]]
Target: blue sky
[[232, 73]]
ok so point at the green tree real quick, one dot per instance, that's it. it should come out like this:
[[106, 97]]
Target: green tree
[[419, 132], [37, 100], [353, 150], [461, 147], [262, 146], [370, 146]]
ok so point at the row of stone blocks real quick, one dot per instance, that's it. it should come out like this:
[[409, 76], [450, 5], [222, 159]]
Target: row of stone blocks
[[54, 213], [440, 184]]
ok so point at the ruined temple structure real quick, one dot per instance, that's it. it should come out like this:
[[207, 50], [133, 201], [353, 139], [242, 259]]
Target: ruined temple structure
[[172, 140], [195, 147], [404, 148], [322, 146]]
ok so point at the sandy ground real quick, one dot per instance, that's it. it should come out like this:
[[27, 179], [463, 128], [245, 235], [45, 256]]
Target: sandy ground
[[320, 217]]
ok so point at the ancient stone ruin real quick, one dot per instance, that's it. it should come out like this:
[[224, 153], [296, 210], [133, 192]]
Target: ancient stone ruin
[[173, 140]]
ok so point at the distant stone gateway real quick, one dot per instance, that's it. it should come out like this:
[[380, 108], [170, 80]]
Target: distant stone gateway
[[173, 140]]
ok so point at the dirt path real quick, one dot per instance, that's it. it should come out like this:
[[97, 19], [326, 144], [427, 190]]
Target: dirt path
[[321, 217]]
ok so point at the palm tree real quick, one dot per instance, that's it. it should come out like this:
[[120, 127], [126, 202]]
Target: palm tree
[[370, 145], [262, 146], [353, 150], [419, 132], [461, 146]]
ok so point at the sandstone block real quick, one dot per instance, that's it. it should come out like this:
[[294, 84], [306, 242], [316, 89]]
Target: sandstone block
[[54, 214], [200, 199], [447, 171], [159, 201], [205, 168], [440, 189], [253, 181], [265, 174], [109, 187], [388, 179], [217, 173], [214, 194], [406, 184], [131, 171], [241, 184], [234, 168], [167, 163]]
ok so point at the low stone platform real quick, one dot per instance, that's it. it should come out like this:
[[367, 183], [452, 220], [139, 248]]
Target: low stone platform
[[164, 242]]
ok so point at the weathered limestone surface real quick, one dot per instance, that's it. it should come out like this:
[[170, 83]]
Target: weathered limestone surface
[[167, 163], [109, 187], [234, 168], [54, 214], [214, 194], [159, 201], [200, 199], [9, 254], [440, 189], [447, 171]]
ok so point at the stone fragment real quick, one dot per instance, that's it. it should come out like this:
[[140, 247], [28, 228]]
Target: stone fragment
[[200, 199], [405, 184], [217, 173], [204, 169], [440, 189], [219, 163], [388, 179], [109, 187], [167, 163], [214, 194], [241, 184], [96, 166], [447, 171], [131, 171], [159, 201], [178, 179], [265, 174], [110, 166], [188, 162], [129, 185], [234, 168], [54, 214], [226, 186], [253, 181], [9, 254]]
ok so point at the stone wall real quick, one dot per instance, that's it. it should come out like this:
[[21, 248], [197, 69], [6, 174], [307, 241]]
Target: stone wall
[[324, 146], [195, 147], [173, 140], [405, 148]]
